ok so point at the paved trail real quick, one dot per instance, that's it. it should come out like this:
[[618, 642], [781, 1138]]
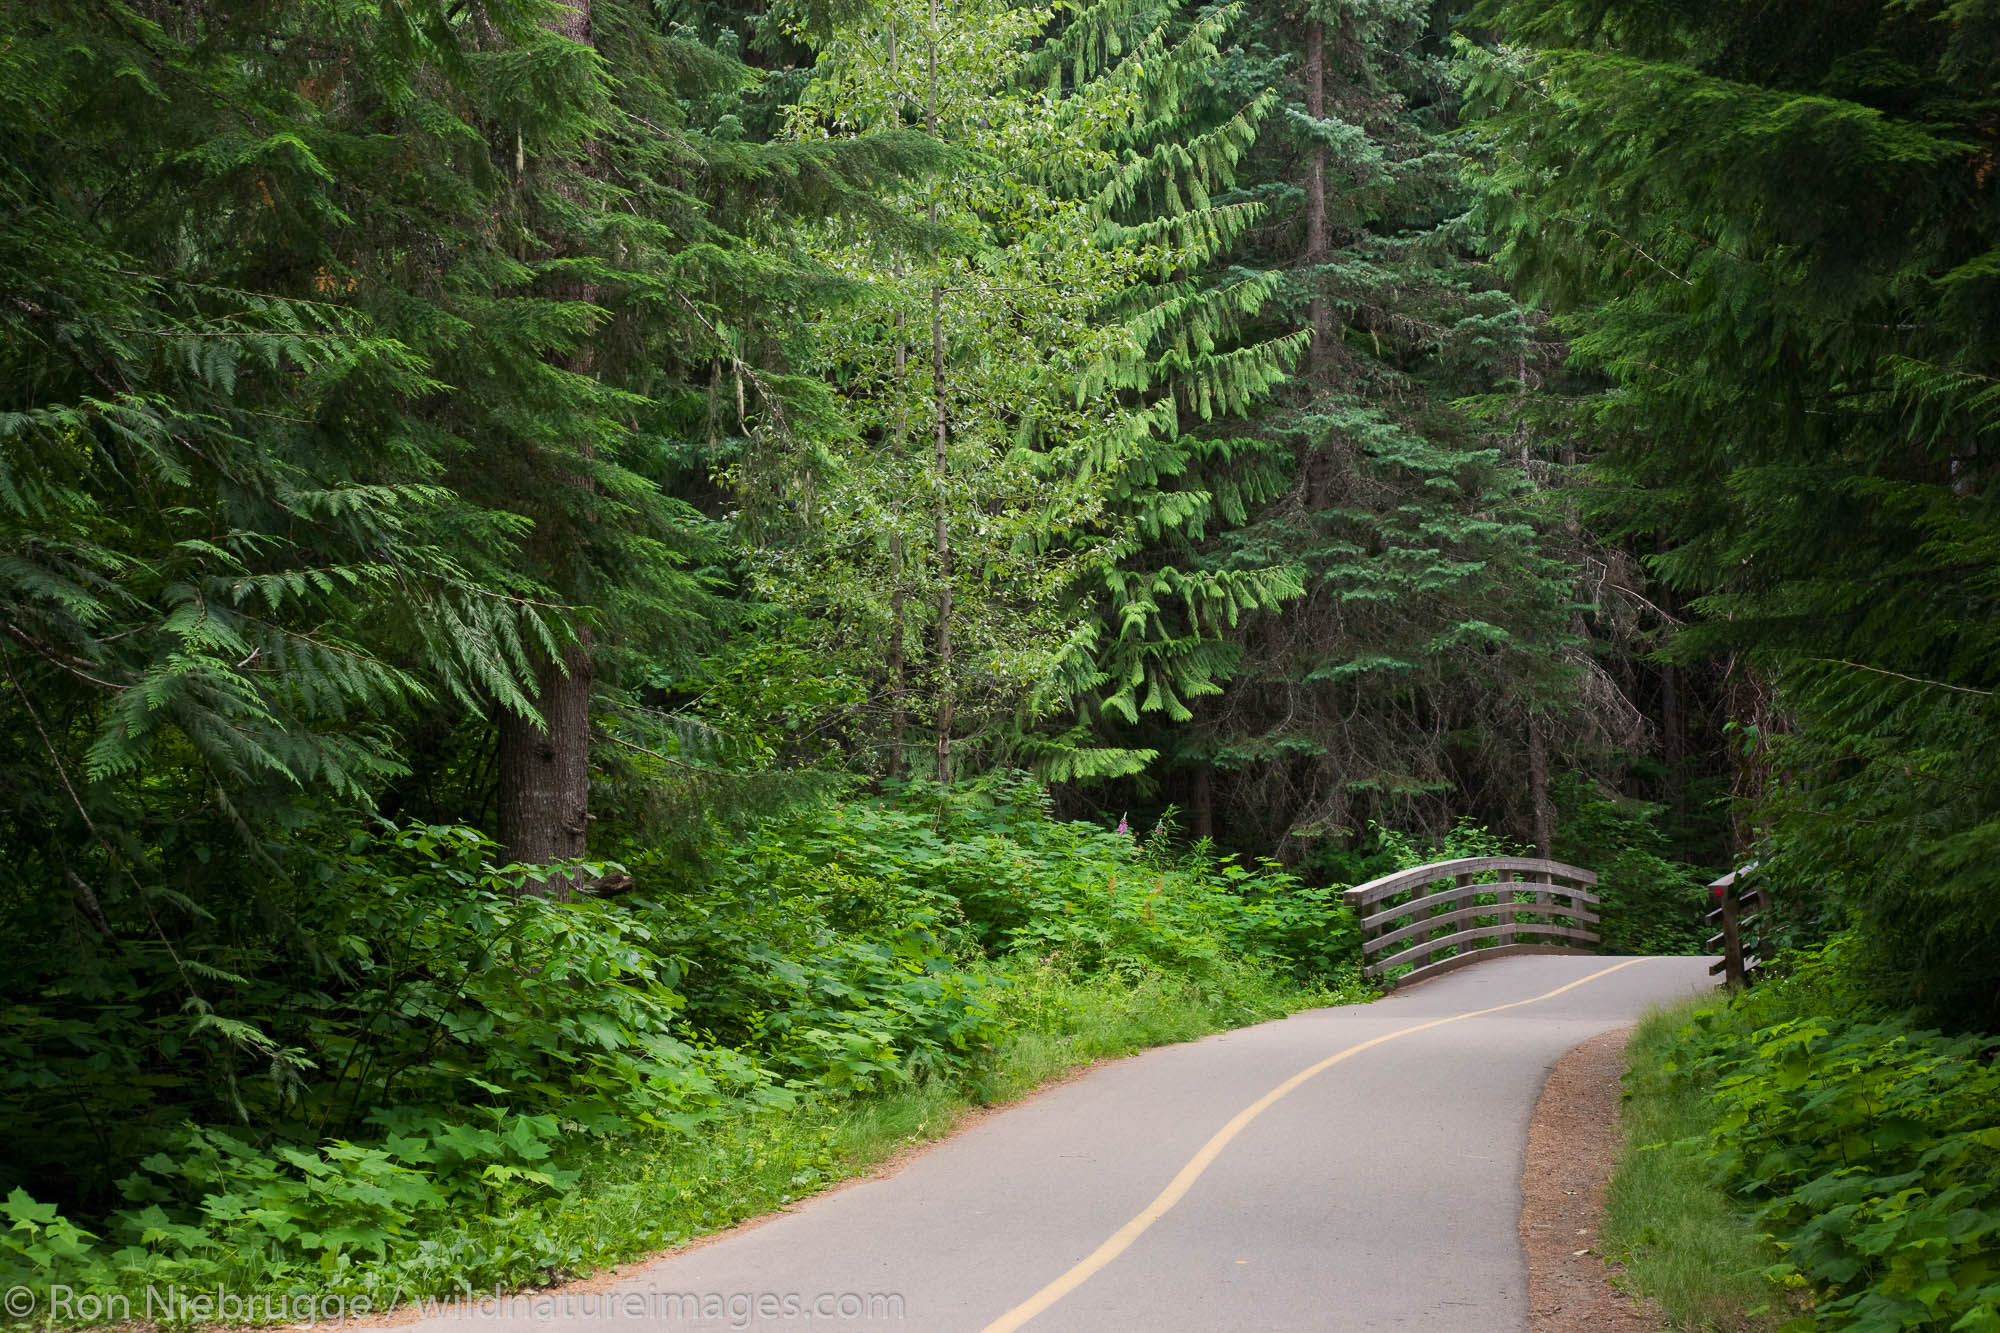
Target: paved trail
[[1340, 1170]]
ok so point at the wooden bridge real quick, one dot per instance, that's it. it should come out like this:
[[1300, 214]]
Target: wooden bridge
[[1433, 918], [1447, 914]]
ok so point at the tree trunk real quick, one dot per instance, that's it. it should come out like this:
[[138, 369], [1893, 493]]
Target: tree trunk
[[544, 761], [1673, 740], [899, 662], [942, 541], [545, 767], [1749, 703], [1673, 709], [1202, 799], [941, 461], [1544, 813], [899, 685]]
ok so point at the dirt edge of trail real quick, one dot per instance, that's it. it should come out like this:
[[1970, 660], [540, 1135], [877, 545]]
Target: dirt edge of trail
[[1574, 1142]]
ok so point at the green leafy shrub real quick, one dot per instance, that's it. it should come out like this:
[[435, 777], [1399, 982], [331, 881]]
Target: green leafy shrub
[[984, 871], [419, 1080], [1870, 1147], [462, 1045]]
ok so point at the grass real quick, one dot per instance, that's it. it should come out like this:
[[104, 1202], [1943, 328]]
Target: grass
[[654, 1194], [1683, 1242]]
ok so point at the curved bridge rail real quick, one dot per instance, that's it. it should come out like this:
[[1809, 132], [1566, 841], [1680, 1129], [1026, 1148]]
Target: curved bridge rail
[[1473, 909]]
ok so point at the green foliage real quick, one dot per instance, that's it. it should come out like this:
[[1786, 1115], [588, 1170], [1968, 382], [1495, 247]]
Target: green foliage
[[231, 565], [984, 868], [1870, 1147], [461, 1052], [348, 382], [1778, 252], [459, 1036], [1017, 457], [1683, 1241], [1889, 814], [1160, 615], [1650, 904]]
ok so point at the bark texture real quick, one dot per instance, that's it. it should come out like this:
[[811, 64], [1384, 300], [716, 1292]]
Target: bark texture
[[545, 767], [544, 761], [1542, 803], [941, 463]]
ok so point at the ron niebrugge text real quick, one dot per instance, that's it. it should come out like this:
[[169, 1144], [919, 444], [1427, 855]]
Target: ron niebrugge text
[[172, 1304]]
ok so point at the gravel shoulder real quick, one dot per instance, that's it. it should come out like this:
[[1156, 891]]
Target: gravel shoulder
[[1574, 1142]]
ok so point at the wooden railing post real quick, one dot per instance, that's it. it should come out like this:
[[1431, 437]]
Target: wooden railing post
[[1734, 910], [1468, 899], [1732, 939]]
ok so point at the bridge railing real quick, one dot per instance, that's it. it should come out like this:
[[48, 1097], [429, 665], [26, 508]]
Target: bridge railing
[[1447, 914], [1740, 904]]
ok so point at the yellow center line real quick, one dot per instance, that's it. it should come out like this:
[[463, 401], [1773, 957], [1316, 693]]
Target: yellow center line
[[1122, 1239]]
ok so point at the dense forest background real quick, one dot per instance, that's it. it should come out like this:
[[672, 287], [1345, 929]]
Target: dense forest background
[[579, 571]]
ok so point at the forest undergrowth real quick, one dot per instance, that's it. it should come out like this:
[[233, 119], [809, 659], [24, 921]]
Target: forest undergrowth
[[489, 1089]]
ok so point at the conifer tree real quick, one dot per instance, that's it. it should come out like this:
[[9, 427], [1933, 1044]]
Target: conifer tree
[[1084, 402], [231, 565], [1774, 228], [635, 229], [1156, 613], [1428, 650]]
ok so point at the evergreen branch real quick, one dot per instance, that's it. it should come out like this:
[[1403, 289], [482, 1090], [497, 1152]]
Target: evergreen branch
[[636, 748], [1650, 605], [1914, 680], [1639, 250], [15, 633]]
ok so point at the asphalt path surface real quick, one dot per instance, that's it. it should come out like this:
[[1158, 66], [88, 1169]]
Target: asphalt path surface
[[1343, 1169]]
